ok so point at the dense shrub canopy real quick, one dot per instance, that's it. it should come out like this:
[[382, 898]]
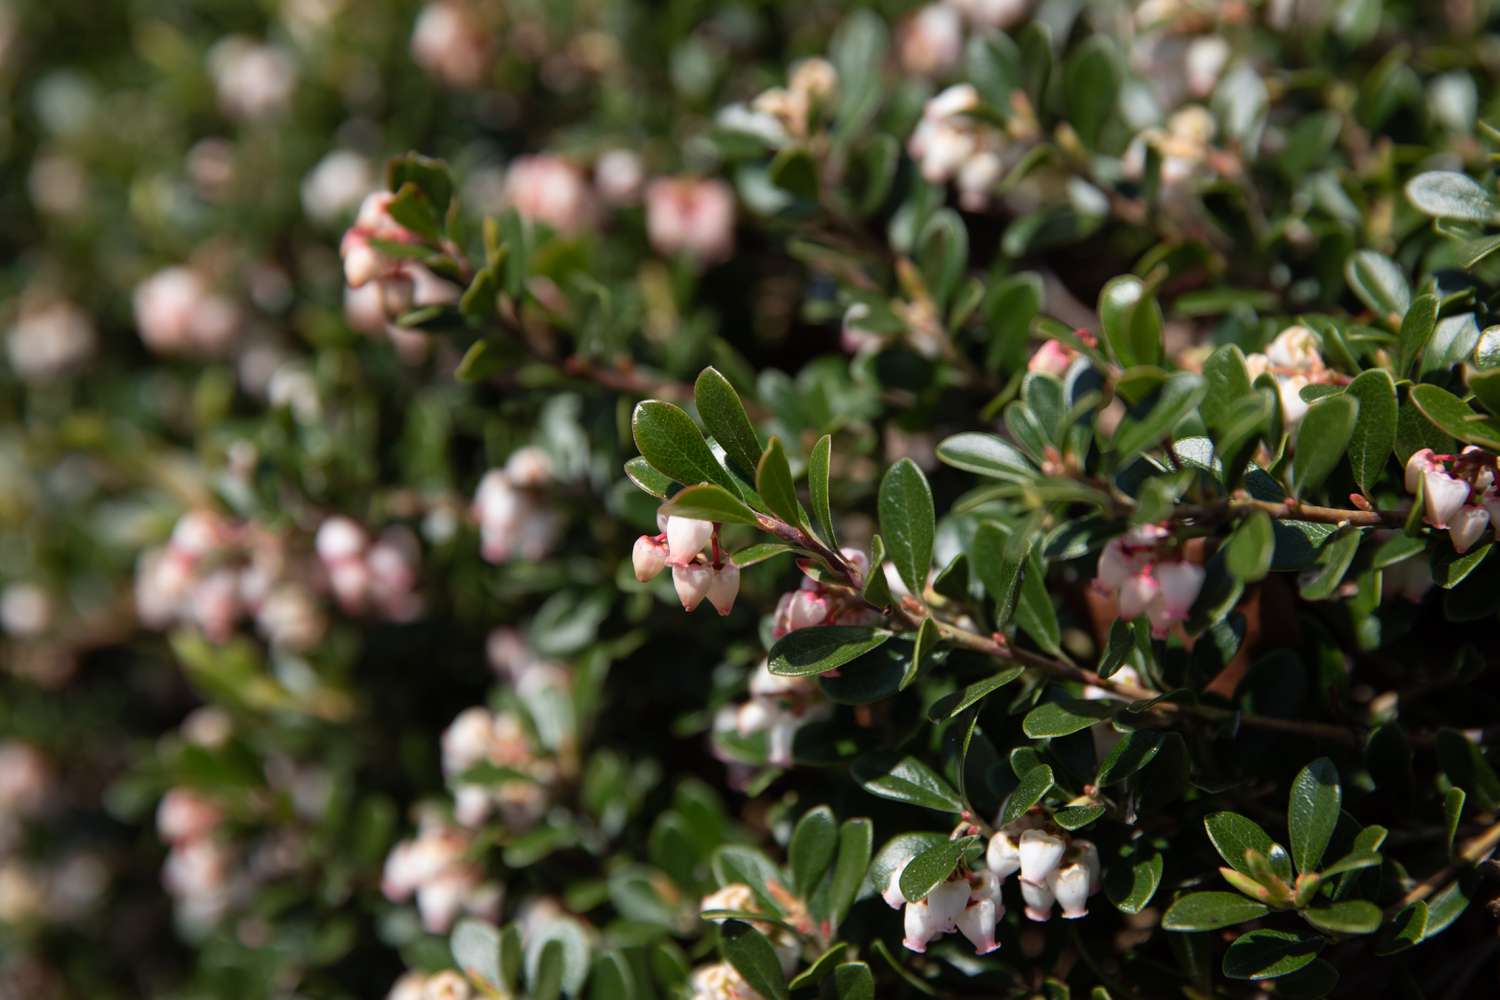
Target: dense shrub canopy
[[505, 498]]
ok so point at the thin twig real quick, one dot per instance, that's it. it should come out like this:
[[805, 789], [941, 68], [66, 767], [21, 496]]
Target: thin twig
[[1293, 510], [1473, 851]]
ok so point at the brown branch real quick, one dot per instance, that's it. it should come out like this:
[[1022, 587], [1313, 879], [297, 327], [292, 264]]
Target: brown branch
[[1293, 510], [1473, 851]]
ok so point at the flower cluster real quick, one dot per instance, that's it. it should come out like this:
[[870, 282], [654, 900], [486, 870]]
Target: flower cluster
[[1185, 145], [1458, 493], [197, 871], [516, 519], [517, 789], [178, 312], [1294, 361], [367, 576], [818, 602], [1054, 868], [954, 142], [931, 41], [437, 868], [49, 340], [695, 574], [778, 707], [1136, 569], [212, 572], [366, 263]]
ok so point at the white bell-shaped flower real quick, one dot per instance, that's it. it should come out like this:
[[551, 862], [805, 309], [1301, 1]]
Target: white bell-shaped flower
[[1040, 854], [1038, 900], [1138, 592], [977, 923], [1179, 584], [1444, 496], [1070, 885], [1003, 855], [691, 581], [686, 537], [648, 558], [724, 587], [1467, 526], [892, 891]]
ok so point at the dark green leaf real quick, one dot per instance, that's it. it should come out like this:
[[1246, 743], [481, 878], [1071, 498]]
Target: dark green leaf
[[1374, 433], [921, 651], [753, 554], [1416, 331], [1321, 439], [1406, 929], [1247, 554], [724, 416], [1091, 87], [817, 650], [999, 559], [853, 981], [754, 958], [951, 705], [708, 502], [907, 522], [1453, 416], [1266, 954], [1179, 396], [1059, 718], [612, 978], [670, 441], [903, 778], [1035, 783], [1208, 911], [773, 481], [1453, 811], [1232, 835], [932, 867], [1131, 883], [817, 483], [1351, 916], [849, 866], [1134, 751], [985, 455], [811, 850], [1379, 284], [647, 479], [1313, 812]]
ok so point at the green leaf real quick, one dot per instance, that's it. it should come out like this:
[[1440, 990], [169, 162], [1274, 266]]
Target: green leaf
[[1406, 929], [952, 704], [986, 455], [921, 651], [708, 502], [1226, 381], [412, 208], [1035, 783], [476, 951], [545, 975], [1453, 811], [1333, 562], [998, 560], [811, 850], [853, 981], [1444, 194], [724, 415], [1313, 812], [1077, 817], [773, 481], [430, 176], [647, 479], [1416, 331], [849, 866], [903, 778], [671, 442], [932, 867], [1060, 718], [794, 171], [1379, 284], [877, 590], [1374, 433], [753, 554], [1131, 320], [1247, 554], [1035, 612], [993, 64], [1117, 649], [1232, 835], [809, 651], [1134, 751], [908, 522], [821, 967], [1465, 765], [754, 958], [1351, 916], [1091, 87], [1130, 884], [1266, 953], [1453, 416], [1321, 440], [1179, 396], [612, 978], [1208, 911], [817, 484]]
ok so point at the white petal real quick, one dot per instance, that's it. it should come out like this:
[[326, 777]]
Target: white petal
[[691, 582], [1445, 496], [1040, 854], [686, 537], [1467, 526], [1038, 899], [977, 923]]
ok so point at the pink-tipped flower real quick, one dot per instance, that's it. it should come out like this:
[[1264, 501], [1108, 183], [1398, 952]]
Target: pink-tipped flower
[[1419, 463], [724, 587], [691, 216], [806, 610], [1070, 885], [1038, 900], [920, 927], [184, 814], [1040, 853], [977, 923], [648, 558], [686, 537], [1467, 526], [1086, 854], [1053, 357], [1138, 592], [1444, 496], [1178, 585], [691, 582]]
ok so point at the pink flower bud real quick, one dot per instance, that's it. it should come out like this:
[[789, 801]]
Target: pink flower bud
[[340, 538], [691, 582], [550, 190], [1420, 462], [686, 537], [931, 41], [724, 587], [529, 467], [184, 814], [691, 216], [1053, 357], [362, 263], [648, 558], [806, 610]]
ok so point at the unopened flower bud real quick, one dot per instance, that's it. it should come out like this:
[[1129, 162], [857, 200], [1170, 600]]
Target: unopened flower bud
[[691, 582], [806, 610], [339, 538], [977, 923], [1070, 885], [648, 558], [1003, 855], [1137, 593], [724, 587], [1038, 900], [1179, 584], [1467, 526], [686, 537]]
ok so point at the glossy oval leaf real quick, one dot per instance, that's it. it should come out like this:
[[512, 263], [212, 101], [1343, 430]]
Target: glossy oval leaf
[[1374, 433], [1208, 911], [1265, 953], [724, 415], [818, 650], [1313, 812], [708, 502], [1322, 437], [812, 847], [907, 522], [1445, 194], [672, 443], [932, 867], [754, 958], [903, 778]]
